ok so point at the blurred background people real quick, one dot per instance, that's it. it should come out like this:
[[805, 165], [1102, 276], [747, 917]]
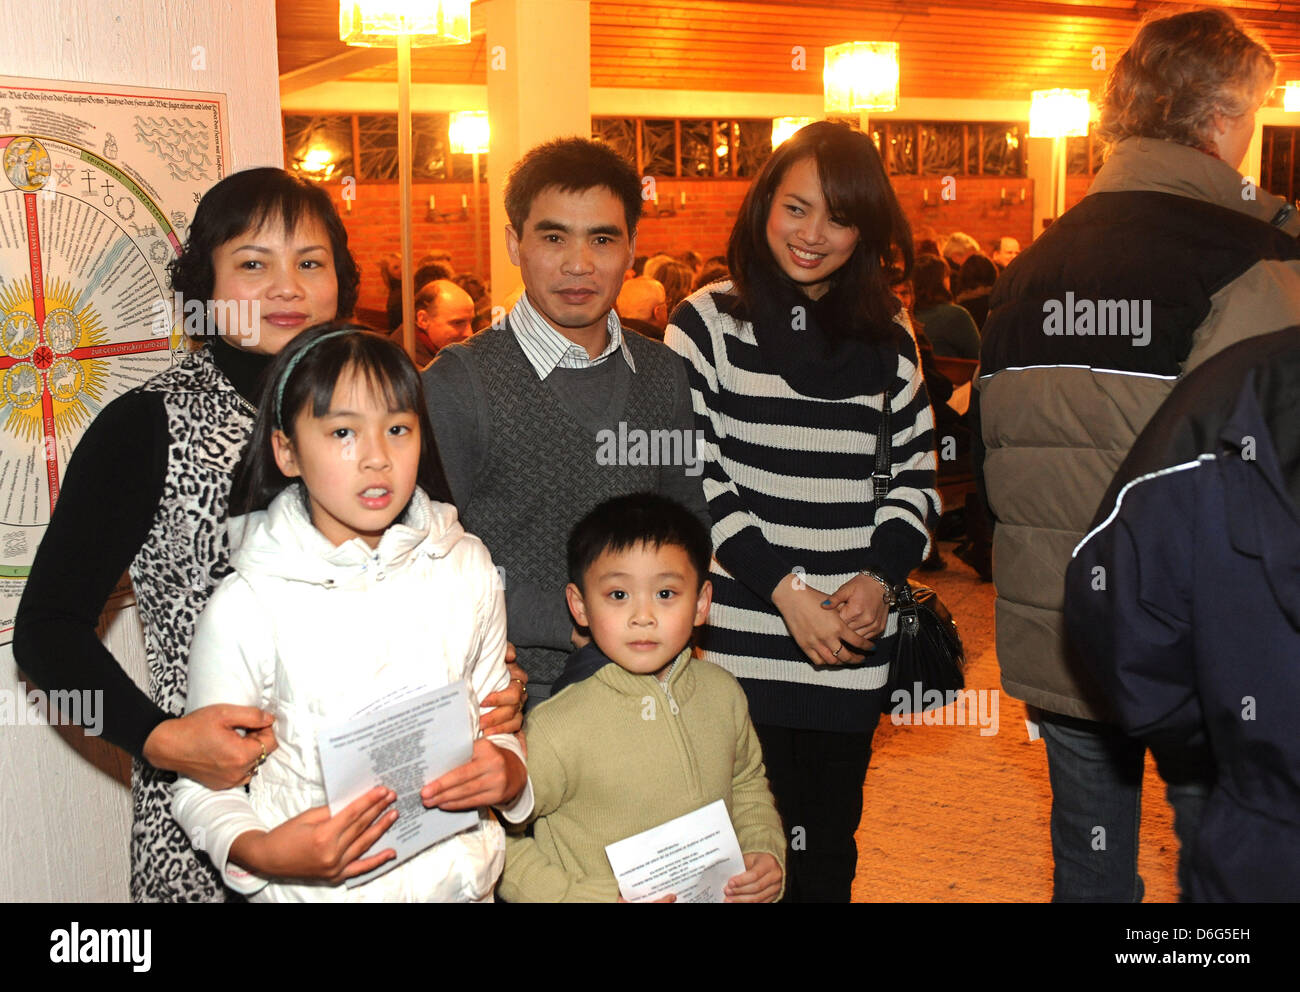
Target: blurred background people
[[429, 268], [974, 284], [1007, 249], [677, 278], [444, 314], [643, 306], [958, 248], [951, 330]]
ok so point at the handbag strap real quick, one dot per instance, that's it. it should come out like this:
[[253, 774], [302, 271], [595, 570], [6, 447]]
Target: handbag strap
[[882, 476]]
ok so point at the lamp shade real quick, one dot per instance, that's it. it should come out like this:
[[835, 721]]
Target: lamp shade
[[860, 75], [1291, 96], [469, 132], [1059, 114], [785, 127], [377, 23]]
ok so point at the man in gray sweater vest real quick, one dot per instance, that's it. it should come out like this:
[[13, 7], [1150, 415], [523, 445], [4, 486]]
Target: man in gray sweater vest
[[558, 408]]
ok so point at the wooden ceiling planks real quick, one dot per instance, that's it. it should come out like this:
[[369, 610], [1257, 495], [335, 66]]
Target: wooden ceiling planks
[[987, 49]]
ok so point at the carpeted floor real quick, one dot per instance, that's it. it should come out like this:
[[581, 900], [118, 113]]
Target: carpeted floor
[[951, 815]]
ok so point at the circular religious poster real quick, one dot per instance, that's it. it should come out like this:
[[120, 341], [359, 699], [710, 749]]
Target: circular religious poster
[[95, 199]]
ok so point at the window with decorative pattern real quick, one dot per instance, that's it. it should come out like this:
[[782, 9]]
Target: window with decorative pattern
[[325, 147], [950, 148], [688, 148], [1083, 156]]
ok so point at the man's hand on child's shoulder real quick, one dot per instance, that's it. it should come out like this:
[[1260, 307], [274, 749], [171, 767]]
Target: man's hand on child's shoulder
[[761, 882]]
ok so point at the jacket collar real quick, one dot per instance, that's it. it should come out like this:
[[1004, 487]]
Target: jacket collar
[[1168, 167], [680, 684], [281, 541]]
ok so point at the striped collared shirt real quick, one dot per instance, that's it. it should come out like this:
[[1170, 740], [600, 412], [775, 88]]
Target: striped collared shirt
[[547, 349]]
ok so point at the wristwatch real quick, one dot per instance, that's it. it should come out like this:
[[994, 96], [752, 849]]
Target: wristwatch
[[890, 598]]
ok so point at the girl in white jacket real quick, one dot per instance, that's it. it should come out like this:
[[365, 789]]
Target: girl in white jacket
[[349, 583]]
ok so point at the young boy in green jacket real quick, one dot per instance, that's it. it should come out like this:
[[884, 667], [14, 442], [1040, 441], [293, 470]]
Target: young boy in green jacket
[[640, 734]]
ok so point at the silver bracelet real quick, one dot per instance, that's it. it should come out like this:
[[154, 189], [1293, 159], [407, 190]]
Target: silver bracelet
[[890, 598]]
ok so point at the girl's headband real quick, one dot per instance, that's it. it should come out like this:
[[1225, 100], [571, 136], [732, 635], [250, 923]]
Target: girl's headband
[[293, 364]]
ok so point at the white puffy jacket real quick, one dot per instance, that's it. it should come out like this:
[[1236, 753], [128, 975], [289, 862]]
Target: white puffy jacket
[[313, 633]]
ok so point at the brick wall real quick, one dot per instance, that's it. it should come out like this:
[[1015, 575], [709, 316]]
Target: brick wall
[[974, 209], [375, 228], [703, 223]]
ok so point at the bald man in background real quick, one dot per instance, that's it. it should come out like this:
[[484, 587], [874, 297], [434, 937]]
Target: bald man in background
[[643, 306], [444, 314]]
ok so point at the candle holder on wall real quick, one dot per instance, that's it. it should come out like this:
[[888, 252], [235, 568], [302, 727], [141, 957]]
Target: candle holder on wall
[[1009, 201], [652, 208], [926, 203], [434, 216]]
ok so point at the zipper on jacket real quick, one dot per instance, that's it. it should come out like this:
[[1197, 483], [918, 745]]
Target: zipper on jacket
[[690, 765], [672, 703]]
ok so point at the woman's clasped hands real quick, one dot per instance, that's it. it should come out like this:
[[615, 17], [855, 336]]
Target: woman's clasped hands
[[836, 629]]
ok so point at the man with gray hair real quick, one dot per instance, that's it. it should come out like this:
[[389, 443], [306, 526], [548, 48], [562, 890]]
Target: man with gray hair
[[1171, 230], [958, 248]]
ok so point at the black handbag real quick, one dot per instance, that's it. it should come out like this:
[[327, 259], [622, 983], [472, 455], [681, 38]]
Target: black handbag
[[928, 653]]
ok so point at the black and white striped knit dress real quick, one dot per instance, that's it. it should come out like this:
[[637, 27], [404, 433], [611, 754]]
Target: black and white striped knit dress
[[788, 481]]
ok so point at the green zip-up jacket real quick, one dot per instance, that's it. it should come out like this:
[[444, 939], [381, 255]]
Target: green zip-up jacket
[[620, 753]]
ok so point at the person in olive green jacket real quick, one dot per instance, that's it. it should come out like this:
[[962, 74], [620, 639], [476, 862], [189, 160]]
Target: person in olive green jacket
[[636, 733]]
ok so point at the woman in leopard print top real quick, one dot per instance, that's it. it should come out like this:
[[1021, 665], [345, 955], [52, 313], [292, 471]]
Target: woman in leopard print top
[[157, 463]]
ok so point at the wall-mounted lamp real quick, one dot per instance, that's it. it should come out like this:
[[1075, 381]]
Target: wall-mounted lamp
[[1058, 114], [404, 25]]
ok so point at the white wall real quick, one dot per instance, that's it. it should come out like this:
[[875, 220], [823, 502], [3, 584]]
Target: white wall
[[65, 808]]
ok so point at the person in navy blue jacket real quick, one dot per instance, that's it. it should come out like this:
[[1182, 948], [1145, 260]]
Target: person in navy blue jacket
[[1185, 599]]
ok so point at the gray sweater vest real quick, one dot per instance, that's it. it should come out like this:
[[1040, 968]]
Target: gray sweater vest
[[541, 474]]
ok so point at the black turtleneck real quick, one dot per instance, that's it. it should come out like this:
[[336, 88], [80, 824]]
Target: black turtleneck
[[242, 367], [111, 490]]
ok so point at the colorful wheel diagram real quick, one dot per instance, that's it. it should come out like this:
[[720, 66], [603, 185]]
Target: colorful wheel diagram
[[84, 310]]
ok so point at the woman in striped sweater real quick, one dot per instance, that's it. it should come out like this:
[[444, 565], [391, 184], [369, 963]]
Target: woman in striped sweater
[[789, 365]]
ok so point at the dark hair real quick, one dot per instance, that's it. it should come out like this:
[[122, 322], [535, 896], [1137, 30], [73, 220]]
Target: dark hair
[[927, 281], [428, 272], [572, 165], [624, 522], [710, 273], [856, 189], [471, 284], [246, 201], [315, 367], [976, 271], [1179, 73], [691, 258]]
